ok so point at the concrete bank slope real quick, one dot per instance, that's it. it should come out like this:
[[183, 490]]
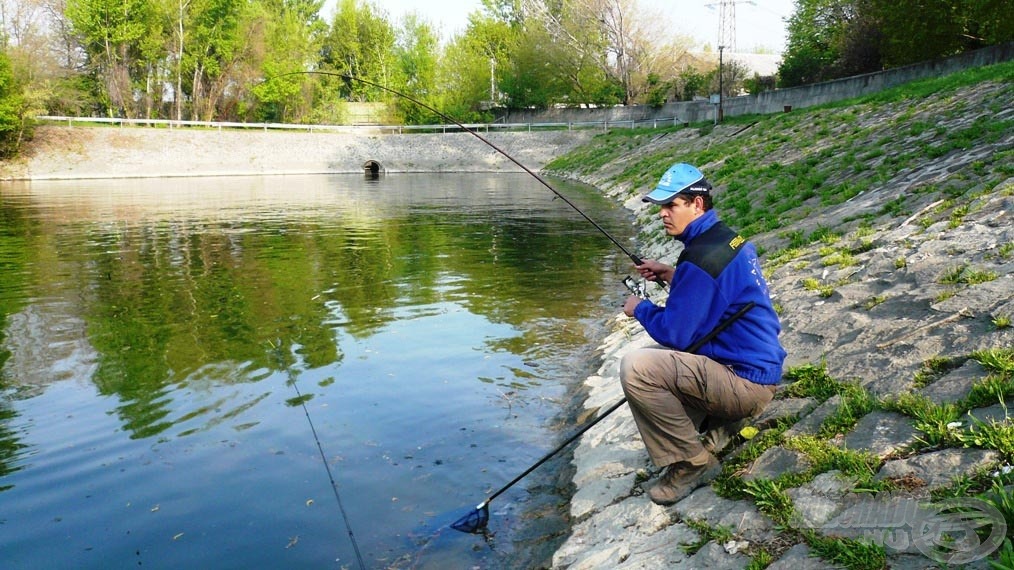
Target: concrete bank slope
[[128, 152], [791, 498]]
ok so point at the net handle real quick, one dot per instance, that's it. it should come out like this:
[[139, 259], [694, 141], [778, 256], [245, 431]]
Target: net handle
[[693, 348]]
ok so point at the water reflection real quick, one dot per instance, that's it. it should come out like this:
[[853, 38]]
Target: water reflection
[[430, 324]]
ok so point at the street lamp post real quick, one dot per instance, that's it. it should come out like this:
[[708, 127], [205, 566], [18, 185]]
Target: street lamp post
[[721, 90]]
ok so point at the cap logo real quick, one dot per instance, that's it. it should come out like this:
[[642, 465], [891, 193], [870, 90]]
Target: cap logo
[[666, 178]]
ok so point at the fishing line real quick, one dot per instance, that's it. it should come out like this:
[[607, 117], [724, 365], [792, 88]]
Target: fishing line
[[330, 475], [348, 78]]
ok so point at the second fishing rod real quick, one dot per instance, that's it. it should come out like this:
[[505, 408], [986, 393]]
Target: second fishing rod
[[349, 78]]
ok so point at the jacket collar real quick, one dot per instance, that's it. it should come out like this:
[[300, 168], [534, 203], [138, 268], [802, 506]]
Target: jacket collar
[[698, 227]]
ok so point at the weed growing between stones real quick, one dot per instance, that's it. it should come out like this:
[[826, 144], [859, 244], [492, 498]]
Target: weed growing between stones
[[853, 554], [939, 423], [810, 381], [770, 498], [935, 368], [825, 456], [761, 560], [707, 533]]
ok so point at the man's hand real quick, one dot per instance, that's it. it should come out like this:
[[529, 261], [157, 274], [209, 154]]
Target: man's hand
[[631, 304], [652, 269]]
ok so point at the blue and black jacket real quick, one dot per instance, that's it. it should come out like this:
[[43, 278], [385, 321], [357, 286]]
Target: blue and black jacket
[[717, 273]]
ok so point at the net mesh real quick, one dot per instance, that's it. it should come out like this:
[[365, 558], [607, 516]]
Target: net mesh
[[474, 522]]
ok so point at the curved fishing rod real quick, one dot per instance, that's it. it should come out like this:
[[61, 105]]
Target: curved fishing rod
[[346, 77]]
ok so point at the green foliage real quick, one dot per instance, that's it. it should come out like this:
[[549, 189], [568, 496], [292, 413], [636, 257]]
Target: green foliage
[[934, 368], [810, 381], [417, 51], [361, 44], [706, 533], [829, 39], [13, 123], [852, 554], [117, 37], [771, 499], [938, 422], [1000, 360], [996, 435], [291, 30]]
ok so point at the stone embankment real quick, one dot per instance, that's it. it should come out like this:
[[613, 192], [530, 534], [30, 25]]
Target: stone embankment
[[883, 346], [902, 322], [128, 152]]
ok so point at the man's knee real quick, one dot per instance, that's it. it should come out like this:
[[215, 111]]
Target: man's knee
[[639, 368], [627, 369]]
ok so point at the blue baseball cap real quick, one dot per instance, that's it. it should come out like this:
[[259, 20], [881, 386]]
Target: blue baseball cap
[[681, 178]]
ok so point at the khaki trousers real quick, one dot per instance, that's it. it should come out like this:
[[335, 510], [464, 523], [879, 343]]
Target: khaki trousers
[[670, 393]]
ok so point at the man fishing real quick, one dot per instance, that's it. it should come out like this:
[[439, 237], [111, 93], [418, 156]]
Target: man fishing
[[673, 394]]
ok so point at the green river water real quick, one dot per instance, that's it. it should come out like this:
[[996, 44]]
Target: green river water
[[159, 340]]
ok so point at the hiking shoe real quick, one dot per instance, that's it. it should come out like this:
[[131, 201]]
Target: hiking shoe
[[681, 478], [717, 439]]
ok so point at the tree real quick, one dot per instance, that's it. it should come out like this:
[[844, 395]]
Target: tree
[[417, 53], [734, 74], [562, 57], [111, 33], [214, 47], [285, 37], [475, 63], [464, 79], [828, 39], [13, 120], [920, 31], [610, 50], [812, 46], [361, 45]]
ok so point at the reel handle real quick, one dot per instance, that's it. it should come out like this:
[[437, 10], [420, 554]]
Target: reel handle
[[638, 261]]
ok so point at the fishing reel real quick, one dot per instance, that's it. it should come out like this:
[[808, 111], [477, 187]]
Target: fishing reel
[[636, 288]]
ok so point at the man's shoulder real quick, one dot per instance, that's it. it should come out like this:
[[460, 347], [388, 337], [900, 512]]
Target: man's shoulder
[[714, 249]]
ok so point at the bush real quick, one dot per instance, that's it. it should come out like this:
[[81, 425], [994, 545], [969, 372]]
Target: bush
[[12, 110]]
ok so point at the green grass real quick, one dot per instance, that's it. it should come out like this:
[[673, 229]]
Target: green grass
[[852, 554], [934, 369], [787, 165], [770, 498], [996, 359], [706, 533], [811, 381], [939, 423]]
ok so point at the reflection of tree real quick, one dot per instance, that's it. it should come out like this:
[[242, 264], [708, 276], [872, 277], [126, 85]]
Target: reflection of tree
[[10, 445], [15, 251], [169, 302]]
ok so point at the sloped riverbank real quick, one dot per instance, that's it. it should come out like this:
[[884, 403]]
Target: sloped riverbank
[[889, 261]]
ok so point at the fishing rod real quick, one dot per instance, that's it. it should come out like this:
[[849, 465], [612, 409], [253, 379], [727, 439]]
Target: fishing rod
[[476, 520], [323, 457], [349, 78]]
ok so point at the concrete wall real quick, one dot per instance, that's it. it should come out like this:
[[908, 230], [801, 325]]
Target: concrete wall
[[778, 100]]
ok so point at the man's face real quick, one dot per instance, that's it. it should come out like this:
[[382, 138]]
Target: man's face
[[678, 214]]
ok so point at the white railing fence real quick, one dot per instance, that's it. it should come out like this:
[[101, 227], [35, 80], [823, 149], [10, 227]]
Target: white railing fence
[[365, 128]]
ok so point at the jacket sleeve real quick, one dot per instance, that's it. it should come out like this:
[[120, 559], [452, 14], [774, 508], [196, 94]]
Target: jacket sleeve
[[692, 309]]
